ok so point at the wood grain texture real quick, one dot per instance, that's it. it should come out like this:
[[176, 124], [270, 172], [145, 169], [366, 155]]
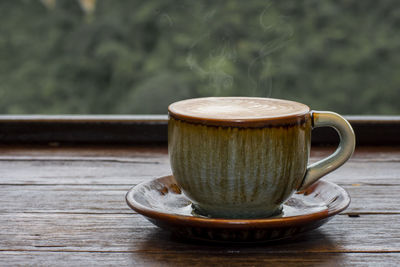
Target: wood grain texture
[[130, 172], [118, 165], [232, 258], [66, 206], [111, 199], [132, 233]]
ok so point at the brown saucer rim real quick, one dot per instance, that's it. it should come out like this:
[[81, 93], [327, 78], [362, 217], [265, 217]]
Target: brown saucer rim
[[265, 223]]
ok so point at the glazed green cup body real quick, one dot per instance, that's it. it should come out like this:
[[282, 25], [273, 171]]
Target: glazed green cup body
[[243, 170]]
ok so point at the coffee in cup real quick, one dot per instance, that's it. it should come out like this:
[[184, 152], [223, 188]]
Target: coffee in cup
[[243, 157]]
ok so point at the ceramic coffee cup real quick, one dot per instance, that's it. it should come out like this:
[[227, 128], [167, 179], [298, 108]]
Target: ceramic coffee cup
[[243, 157]]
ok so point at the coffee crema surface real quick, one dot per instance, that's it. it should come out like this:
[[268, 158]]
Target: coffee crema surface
[[236, 110]]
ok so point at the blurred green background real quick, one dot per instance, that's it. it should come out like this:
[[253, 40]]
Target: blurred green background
[[125, 57]]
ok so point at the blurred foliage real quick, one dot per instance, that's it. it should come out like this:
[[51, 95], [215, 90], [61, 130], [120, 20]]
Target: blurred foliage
[[138, 56]]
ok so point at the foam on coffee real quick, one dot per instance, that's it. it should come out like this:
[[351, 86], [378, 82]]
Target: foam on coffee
[[236, 108]]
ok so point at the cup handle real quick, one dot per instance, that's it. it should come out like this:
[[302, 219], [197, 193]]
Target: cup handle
[[344, 151]]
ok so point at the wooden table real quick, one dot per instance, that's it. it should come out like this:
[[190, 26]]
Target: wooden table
[[66, 206]]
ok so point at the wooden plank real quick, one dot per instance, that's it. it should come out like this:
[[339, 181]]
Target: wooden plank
[[56, 150], [66, 205], [111, 198], [72, 172], [373, 199], [127, 129], [374, 173], [361, 153], [83, 129], [132, 233], [70, 199], [102, 181], [233, 258], [90, 118], [132, 170]]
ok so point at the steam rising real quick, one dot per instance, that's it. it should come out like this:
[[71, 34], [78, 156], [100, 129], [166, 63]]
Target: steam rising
[[215, 68], [218, 68]]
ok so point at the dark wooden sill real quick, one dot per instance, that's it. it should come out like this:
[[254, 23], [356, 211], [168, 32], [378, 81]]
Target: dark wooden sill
[[146, 129]]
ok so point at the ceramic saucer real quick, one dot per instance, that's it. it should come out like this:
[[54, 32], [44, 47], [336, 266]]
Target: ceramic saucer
[[162, 202]]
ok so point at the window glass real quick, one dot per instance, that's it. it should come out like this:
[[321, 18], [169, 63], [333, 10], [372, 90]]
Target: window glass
[[136, 57]]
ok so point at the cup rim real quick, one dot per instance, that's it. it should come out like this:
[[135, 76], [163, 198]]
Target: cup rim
[[288, 119]]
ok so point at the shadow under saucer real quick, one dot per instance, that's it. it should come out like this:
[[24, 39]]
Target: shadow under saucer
[[162, 247]]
